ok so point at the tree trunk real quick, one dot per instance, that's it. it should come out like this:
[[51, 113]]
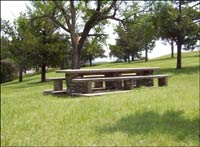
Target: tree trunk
[[43, 73], [125, 59], [25, 70], [172, 49], [36, 68], [76, 52], [128, 56], [75, 59], [178, 65], [146, 54], [133, 57], [179, 41], [20, 73], [90, 60]]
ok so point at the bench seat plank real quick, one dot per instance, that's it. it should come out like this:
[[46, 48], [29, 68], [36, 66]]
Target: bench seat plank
[[56, 78], [119, 78], [129, 81]]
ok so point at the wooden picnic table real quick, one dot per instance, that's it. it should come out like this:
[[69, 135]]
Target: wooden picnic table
[[71, 74]]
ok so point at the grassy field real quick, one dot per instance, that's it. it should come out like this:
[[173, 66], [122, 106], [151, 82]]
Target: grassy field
[[160, 116]]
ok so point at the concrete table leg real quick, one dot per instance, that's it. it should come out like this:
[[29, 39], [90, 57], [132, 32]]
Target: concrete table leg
[[58, 85], [162, 81]]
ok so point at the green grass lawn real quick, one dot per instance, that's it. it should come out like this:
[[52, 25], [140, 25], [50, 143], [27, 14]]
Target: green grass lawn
[[161, 116]]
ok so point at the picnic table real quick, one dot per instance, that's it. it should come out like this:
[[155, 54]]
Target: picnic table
[[79, 80]]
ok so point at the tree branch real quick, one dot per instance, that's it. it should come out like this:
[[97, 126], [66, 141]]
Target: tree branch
[[197, 21], [59, 23], [73, 15], [64, 14], [97, 35], [98, 5], [52, 18], [109, 8], [144, 10], [195, 5]]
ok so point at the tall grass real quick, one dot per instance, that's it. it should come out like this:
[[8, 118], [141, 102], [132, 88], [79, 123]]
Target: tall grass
[[160, 116]]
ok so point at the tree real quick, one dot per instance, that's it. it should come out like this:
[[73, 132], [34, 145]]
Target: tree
[[163, 11], [78, 18], [8, 68], [35, 43], [17, 46], [5, 53], [47, 50], [128, 43], [93, 49], [179, 25], [8, 71], [137, 32], [134, 36], [188, 31], [149, 33]]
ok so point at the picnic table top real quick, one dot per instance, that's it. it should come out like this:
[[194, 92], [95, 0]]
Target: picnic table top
[[106, 70]]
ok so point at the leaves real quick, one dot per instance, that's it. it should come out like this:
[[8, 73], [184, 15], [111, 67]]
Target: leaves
[[170, 28], [135, 36]]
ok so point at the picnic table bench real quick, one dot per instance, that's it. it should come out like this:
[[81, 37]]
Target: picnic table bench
[[127, 85], [81, 80], [57, 85]]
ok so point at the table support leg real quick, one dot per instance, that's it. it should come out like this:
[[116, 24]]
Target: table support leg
[[129, 84], [145, 82], [110, 85], [57, 85], [162, 81]]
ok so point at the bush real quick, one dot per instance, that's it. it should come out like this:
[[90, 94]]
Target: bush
[[8, 71]]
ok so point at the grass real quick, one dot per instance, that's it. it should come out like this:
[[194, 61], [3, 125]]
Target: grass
[[160, 116]]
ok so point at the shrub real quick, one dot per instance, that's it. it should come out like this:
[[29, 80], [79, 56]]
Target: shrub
[[8, 71]]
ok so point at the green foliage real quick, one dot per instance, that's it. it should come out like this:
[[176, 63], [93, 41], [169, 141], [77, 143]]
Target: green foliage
[[19, 36], [135, 36], [50, 44], [78, 19], [5, 53], [8, 71], [166, 21], [93, 49]]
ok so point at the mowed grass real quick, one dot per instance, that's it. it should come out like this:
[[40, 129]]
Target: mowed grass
[[160, 116]]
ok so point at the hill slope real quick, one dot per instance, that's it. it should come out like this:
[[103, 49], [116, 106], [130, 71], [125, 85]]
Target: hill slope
[[162, 116]]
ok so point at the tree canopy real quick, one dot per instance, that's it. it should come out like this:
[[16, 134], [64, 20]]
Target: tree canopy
[[78, 18], [68, 33]]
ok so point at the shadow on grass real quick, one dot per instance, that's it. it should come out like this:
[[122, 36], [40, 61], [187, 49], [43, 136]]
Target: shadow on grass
[[25, 81], [184, 70], [171, 122], [191, 56]]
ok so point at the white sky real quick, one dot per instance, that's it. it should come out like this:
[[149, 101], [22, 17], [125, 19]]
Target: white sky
[[10, 10]]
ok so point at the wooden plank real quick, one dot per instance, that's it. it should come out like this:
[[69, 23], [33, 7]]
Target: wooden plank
[[98, 84], [129, 74], [56, 78], [93, 76], [118, 78], [108, 70]]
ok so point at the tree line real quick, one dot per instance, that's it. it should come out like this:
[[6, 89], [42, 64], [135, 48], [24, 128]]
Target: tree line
[[66, 34]]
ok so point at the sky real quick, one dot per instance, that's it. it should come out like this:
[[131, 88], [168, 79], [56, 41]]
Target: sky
[[10, 10]]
